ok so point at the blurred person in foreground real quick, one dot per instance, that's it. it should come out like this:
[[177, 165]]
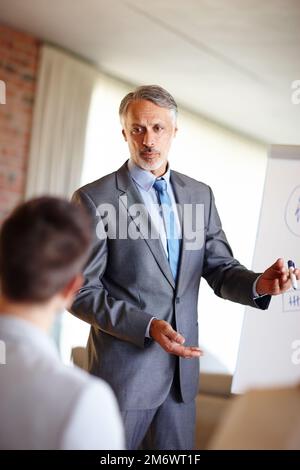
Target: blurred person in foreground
[[44, 244]]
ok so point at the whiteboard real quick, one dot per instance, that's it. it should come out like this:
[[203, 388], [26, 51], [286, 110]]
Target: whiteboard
[[269, 351]]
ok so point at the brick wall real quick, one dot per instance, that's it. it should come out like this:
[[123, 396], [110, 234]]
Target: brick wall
[[18, 70]]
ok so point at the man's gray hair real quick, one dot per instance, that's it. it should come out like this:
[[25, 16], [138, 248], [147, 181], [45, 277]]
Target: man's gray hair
[[153, 93]]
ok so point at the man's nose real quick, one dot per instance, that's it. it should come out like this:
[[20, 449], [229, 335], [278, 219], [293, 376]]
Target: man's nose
[[148, 139]]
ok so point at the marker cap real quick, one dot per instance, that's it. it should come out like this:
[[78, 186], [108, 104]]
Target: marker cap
[[291, 264]]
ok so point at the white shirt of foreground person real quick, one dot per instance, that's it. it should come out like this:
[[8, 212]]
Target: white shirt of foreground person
[[46, 405], [266, 419]]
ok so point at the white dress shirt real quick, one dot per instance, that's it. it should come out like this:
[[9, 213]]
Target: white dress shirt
[[46, 405]]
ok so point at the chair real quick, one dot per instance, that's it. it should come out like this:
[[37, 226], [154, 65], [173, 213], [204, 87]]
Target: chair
[[211, 402], [79, 357]]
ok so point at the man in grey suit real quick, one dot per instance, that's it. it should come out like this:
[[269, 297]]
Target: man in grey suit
[[157, 232]]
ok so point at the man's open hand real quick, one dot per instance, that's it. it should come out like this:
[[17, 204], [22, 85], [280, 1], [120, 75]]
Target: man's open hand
[[171, 341]]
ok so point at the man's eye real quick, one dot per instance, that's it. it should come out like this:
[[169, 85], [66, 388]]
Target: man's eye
[[158, 128], [137, 130]]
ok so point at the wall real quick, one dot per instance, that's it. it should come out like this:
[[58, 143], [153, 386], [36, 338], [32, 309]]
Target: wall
[[18, 70]]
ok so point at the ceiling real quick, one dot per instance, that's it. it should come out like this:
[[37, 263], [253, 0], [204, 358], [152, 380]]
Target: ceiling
[[232, 61]]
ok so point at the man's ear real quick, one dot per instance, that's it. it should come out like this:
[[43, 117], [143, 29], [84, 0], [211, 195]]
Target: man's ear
[[70, 289], [124, 135]]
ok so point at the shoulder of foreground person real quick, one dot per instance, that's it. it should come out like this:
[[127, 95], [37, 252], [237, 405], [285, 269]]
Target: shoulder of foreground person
[[95, 421]]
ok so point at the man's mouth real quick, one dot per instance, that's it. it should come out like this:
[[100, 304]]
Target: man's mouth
[[149, 154]]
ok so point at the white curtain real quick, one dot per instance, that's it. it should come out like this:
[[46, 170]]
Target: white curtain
[[64, 91]]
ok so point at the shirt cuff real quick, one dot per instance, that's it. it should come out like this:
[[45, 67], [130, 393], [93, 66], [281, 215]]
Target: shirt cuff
[[147, 334], [255, 294]]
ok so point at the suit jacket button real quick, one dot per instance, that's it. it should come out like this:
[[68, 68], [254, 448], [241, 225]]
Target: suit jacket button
[[177, 300]]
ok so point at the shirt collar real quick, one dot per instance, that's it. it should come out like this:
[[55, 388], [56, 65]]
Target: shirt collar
[[24, 331], [144, 178]]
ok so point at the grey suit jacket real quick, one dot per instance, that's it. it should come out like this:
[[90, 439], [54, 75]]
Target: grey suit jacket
[[128, 281]]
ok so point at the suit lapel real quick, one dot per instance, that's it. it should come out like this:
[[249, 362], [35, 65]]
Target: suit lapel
[[129, 196]]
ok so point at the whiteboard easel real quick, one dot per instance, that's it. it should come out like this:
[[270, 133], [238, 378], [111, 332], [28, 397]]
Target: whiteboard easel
[[269, 352]]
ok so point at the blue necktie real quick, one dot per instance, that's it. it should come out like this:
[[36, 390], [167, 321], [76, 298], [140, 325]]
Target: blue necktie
[[173, 242]]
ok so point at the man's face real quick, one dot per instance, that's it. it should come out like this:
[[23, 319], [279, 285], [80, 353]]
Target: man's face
[[149, 130]]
